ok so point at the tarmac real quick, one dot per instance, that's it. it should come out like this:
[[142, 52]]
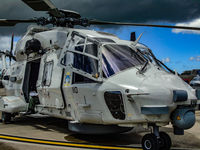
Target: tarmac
[[54, 129]]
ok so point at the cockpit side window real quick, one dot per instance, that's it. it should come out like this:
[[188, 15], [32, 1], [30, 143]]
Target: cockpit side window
[[87, 46], [91, 49], [82, 56], [85, 63]]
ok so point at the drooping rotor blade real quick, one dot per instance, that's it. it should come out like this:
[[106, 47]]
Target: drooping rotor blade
[[7, 53], [13, 57], [43, 5], [11, 48], [96, 22], [5, 22], [12, 42], [2, 52]]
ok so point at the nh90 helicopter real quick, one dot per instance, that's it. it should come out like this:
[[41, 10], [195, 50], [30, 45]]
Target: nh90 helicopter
[[96, 81]]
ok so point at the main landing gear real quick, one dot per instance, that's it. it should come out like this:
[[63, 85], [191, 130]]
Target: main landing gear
[[6, 117], [156, 140]]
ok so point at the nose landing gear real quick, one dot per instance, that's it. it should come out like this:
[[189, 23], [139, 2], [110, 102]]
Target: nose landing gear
[[156, 140], [150, 142]]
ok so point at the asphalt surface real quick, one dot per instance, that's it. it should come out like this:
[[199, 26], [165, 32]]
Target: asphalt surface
[[43, 127]]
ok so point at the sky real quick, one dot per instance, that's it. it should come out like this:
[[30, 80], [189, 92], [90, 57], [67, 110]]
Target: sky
[[179, 49]]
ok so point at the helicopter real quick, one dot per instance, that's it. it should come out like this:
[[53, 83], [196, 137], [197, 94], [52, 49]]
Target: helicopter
[[98, 82]]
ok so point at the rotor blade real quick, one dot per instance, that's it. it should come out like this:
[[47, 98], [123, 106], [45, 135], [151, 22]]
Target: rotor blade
[[11, 57], [8, 55], [2, 52], [43, 5], [14, 58], [96, 22], [11, 48], [12, 42], [5, 22], [40, 5]]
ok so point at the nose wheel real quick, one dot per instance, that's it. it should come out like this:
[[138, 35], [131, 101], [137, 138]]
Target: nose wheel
[[156, 140], [165, 141], [150, 142]]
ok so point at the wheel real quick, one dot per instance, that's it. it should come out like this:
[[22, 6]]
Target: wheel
[[5, 117], [165, 141], [150, 142]]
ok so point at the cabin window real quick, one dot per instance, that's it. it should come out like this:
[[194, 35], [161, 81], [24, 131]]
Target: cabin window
[[6, 77], [85, 63], [47, 75], [13, 79], [78, 79]]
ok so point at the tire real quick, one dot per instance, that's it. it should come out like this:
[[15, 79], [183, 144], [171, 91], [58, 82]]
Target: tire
[[150, 142], [165, 140], [1, 85], [6, 117]]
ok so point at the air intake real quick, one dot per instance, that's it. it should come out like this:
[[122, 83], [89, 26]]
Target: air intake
[[115, 104]]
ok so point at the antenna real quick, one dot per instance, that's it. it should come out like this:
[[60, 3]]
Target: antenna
[[135, 43], [133, 36]]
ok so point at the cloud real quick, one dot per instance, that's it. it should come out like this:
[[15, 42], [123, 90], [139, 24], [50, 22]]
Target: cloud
[[191, 58], [166, 60], [196, 58], [173, 11], [193, 23]]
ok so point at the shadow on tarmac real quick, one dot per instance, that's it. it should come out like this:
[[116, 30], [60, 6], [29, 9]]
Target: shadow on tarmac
[[126, 139]]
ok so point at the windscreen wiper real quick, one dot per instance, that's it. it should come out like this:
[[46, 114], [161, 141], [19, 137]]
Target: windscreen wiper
[[166, 67], [142, 70]]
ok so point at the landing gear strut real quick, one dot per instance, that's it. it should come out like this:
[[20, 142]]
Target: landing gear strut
[[6, 117], [156, 140]]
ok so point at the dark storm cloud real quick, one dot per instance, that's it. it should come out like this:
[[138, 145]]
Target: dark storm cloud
[[110, 10]]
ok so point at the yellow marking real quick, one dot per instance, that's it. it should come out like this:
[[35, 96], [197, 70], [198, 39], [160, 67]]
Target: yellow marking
[[130, 115], [178, 118], [65, 144], [67, 83]]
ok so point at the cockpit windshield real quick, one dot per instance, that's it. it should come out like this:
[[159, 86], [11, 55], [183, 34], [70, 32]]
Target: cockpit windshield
[[116, 58]]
